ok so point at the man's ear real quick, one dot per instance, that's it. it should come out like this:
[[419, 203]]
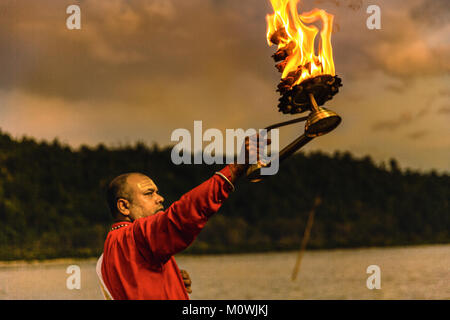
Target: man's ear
[[123, 205]]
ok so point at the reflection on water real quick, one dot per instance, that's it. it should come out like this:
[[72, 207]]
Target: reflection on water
[[421, 272]]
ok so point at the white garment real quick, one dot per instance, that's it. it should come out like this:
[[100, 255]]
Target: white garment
[[105, 291]]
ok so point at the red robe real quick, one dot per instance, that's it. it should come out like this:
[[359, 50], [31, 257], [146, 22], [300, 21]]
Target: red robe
[[138, 260]]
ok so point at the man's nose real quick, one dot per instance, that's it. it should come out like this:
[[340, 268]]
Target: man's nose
[[160, 199]]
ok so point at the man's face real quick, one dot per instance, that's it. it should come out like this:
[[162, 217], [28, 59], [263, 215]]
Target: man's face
[[145, 200]]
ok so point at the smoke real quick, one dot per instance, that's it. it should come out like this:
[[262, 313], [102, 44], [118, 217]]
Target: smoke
[[352, 4]]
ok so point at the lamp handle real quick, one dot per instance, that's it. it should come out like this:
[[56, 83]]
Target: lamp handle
[[254, 170]]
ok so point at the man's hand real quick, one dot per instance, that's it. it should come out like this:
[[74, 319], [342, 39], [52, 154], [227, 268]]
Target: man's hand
[[187, 280], [251, 150]]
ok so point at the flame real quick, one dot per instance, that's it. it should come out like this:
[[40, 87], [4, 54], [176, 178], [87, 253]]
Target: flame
[[287, 29]]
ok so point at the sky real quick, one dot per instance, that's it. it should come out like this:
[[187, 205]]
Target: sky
[[139, 69]]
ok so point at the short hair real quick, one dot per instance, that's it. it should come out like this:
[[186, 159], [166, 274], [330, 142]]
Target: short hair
[[118, 188]]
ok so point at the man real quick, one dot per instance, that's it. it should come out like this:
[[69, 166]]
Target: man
[[137, 261]]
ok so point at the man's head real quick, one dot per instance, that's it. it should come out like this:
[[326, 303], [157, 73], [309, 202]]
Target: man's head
[[132, 196]]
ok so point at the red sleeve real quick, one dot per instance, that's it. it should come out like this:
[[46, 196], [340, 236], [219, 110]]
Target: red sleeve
[[164, 234]]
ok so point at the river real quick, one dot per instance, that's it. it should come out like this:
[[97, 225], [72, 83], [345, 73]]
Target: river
[[419, 272]]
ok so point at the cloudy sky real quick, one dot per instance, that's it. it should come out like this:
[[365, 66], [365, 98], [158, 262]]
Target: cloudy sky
[[139, 69]]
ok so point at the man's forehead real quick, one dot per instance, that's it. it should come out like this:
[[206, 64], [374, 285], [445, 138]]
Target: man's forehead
[[142, 182], [146, 183]]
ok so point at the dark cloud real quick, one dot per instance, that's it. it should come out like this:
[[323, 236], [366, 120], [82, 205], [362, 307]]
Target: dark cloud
[[403, 120], [444, 110], [138, 69], [141, 51], [393, 124], [444, 92], [435, 13], [396, 87], [404, 49], [126, 48], [418, 134]]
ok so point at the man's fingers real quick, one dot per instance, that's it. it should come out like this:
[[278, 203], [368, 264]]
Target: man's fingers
[[187, 280], [253, 146], [260, 143], [184, 273], [259, 140], [187, 285], [185, 276]]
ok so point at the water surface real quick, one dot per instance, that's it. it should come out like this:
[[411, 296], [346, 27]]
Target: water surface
[[421, 272]]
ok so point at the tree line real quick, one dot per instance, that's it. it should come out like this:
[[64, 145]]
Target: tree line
[[52, 201]]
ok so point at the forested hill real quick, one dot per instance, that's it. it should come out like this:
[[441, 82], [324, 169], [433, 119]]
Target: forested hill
[[52, 201]]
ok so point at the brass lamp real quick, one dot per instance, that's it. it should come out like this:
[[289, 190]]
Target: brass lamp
[[320, 120]]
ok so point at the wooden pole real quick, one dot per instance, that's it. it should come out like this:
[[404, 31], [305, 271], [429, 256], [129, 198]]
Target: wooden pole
[[305, 239]]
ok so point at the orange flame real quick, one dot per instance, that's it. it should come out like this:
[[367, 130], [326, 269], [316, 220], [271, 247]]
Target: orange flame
[[295, 40]]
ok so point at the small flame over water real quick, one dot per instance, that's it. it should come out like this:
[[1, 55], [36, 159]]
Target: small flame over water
[[287, 29]]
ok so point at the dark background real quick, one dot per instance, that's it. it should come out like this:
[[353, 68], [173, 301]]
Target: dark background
[[52, 201]]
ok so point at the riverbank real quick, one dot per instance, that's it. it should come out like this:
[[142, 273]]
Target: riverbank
[[67, 260]]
